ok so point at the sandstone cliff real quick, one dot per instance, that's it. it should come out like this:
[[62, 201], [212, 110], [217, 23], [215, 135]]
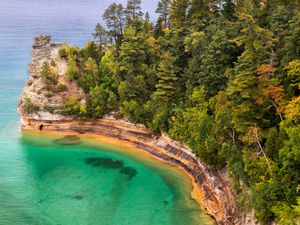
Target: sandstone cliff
[[216, 193], [45, 103]]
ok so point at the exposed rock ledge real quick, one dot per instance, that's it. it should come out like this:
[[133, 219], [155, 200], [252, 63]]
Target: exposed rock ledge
[[216, 194], [217, 197]]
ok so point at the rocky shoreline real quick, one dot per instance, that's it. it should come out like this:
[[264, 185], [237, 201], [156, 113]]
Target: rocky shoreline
[[40, 110], [214, 189]]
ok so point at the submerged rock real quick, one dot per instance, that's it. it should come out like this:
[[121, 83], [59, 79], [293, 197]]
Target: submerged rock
[[111, 164], [214, 188], [104, 162], [130, 172], [68, 140], [78, 197]]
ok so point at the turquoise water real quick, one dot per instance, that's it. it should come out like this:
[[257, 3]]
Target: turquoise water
[[43, 180]]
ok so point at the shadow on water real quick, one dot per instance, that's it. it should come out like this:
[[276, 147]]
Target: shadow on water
[[111, 164], [68, 140]]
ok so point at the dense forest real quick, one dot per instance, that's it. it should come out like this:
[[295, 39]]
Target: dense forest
[[221, 76]]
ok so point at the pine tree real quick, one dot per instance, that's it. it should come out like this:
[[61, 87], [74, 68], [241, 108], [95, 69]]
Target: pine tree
[[242, 90], [147, 17], [100, 35], [72, 70], [114, 16], [163, 10], [48, 75], [292, 43], [90, 77], [133, 10], [133, 64], [178, 12], [166, 77]]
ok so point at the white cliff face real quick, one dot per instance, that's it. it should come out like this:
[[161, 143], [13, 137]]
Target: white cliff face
[[48, 104]]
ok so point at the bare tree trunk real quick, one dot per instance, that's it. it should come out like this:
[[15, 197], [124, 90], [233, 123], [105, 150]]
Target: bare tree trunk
[[233, 138], [276, 107], [261, 148]]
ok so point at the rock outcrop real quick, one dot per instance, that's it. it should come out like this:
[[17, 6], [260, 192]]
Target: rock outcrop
[[214, 187], [46, 103], [216, 193]]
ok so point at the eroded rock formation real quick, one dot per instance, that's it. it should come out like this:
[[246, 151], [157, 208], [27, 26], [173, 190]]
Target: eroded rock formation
[[216, 193], [47, 103]]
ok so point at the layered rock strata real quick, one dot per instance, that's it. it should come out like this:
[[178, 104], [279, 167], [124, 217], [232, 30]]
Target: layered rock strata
[[36, 92], [216, 193]]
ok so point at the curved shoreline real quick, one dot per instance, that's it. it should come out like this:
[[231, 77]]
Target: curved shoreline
[[212, 190], [126, 148]]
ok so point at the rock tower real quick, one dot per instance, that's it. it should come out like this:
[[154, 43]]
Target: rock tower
[[41, 51]]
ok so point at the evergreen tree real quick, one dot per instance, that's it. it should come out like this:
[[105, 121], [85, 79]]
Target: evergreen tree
[[242, 90], [292, 43], [49, 76], [100, 35], [178, 12], [132, 64], [114, 16], [221, 76], [133, 10], [163, 10], [72, 70], [147, 17], [166, 77], [90, 77], [228, 9]]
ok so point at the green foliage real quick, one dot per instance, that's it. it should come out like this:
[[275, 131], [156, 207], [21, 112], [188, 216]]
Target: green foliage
[[133, 111], [62, 88], [285, 214], [29, 107], [106, 68], [134, 62], [195, 127], [263, 207], [48, 76], [97, 102], [90, 77], [178, 13], [291, 45], [72, 70], [273, 143], [68, 52], [293, 72], [52, 63], [166, 77], [163, 9], [133, 10], [296, 210], [114, 17], [73, 107], [221, 76], [91, 50], [210, 60], [100, 34], [158, 114]]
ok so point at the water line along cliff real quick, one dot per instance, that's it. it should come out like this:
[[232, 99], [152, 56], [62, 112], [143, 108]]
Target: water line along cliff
[[40, 107]]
